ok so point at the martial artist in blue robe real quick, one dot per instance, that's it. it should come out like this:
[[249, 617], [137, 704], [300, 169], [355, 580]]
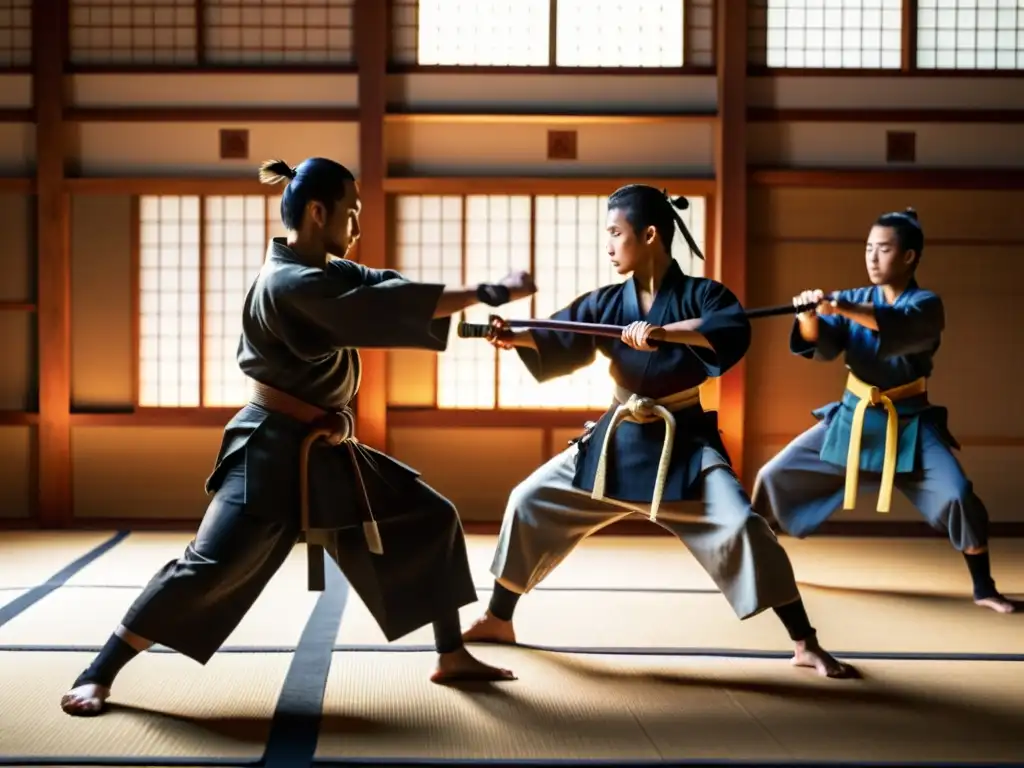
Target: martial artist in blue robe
[[625, 465], [398, 542], [884, 425]]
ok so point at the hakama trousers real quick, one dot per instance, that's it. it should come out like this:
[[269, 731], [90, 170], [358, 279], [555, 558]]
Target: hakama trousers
[[547, 517], [801, 491], [194, 603]]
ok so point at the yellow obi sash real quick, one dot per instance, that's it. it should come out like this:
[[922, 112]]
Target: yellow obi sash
[[643, 410], [868, 395]]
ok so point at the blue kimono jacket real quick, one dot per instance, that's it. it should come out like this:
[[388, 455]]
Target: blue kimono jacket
[[901, 351], [635, 449]]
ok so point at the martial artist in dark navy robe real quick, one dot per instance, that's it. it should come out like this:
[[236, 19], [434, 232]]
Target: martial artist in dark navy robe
[[625, 466]]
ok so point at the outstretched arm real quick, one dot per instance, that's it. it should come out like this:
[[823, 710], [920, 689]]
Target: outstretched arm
[[359, 307], [550, 354]]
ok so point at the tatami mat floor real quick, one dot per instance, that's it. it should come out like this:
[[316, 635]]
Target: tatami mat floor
[[630, 656]]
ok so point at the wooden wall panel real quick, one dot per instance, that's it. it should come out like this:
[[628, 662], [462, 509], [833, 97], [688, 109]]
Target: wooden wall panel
[[847, 214], [101, 302], [18, 273], [834, 91], [642, 149], [853, 144], [15, 91], [180, 149], [476, 468], [574, 93], [19, 385], [17, 149], [412, 378], [270, 90], [142, 472], [17, 487]]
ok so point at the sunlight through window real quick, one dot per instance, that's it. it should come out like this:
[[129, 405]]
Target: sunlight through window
[[169, 301], [619, 33], [841, 34], [955, 34], [236, 242], [483, 32]]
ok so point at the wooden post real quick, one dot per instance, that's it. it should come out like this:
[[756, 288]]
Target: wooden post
[[55, 510], [371, 24], [731, 203]]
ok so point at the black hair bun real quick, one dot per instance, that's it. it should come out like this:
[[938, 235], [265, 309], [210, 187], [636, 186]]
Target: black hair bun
[[910, 213], [680, 203]]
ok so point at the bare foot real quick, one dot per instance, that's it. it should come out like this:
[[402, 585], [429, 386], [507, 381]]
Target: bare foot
[[86, 700], [999, 604], [488, 629], [461, 665], [809, 654]]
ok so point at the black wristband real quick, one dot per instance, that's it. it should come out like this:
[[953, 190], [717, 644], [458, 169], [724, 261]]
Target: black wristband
[[493, 295]]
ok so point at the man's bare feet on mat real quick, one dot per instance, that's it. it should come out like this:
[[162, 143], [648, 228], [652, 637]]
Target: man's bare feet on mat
[[85, 700], [809, 654], [461, 666], [999, 604], [489, 629]]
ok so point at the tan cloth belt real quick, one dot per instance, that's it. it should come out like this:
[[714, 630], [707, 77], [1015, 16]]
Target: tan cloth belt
[[334, 428], [868, 395], [643, 410]]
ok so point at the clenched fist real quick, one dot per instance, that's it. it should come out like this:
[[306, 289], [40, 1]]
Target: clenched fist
[[520, 284], [636, 334], [824, 305]]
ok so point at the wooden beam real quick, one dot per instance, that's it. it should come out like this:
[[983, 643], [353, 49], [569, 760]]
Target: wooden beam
[[211, 114], [908, 41], [16, 115], [14, 185], [55, 509], [166, 185], [731, 201], [210, 70], [371, 19], [548, 71], [526, 185], [851, 115], [916, 178], [18, 418], [525, 117]]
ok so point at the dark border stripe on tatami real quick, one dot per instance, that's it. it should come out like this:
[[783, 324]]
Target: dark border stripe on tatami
[[295, 727], [21, 604], [295, 730], [667, 763], [732, 653]]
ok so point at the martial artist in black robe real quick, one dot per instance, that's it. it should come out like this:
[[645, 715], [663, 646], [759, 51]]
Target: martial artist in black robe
[[304, 318]]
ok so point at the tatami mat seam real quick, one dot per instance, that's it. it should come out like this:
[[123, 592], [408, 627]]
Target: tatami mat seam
[[295, 729], [732, 653], [22, 603]]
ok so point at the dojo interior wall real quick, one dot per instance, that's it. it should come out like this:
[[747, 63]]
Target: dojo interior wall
[[803, 231]]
